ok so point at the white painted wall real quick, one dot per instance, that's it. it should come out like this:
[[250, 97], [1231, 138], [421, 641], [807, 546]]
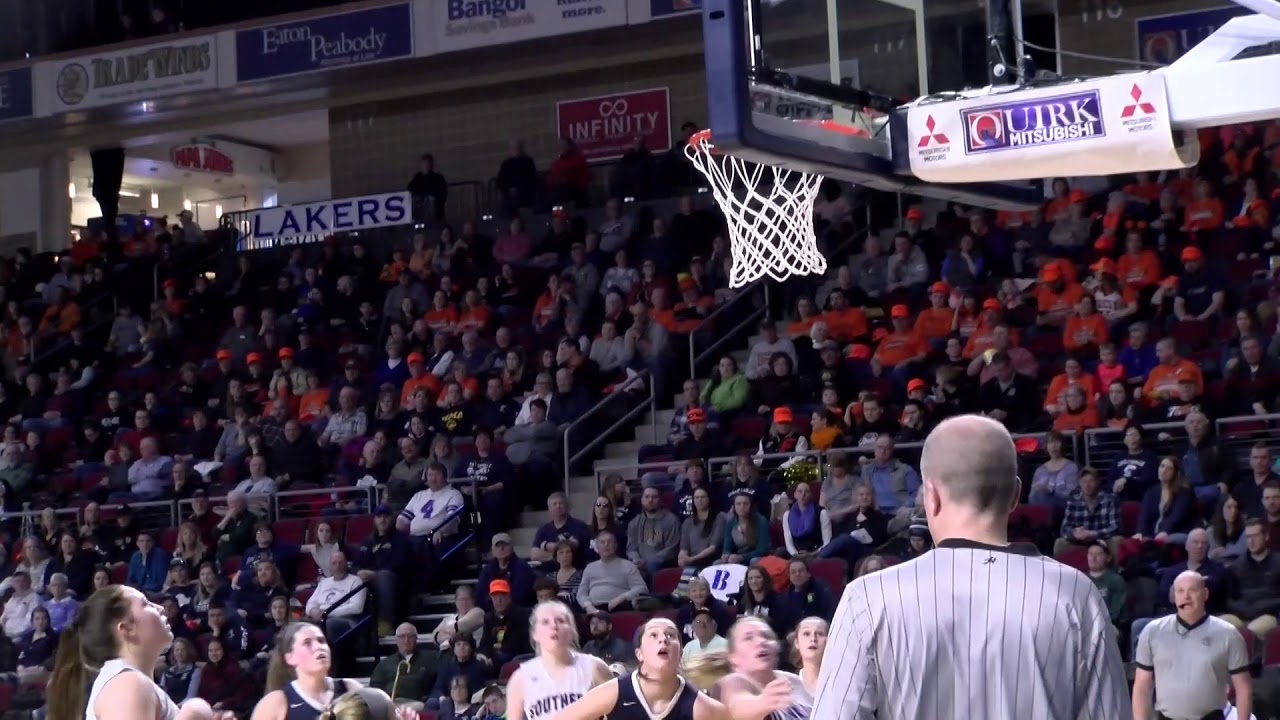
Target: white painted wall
[[304, 174], [20, 202]]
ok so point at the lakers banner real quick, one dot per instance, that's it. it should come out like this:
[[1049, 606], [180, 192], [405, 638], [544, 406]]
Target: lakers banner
[[1100, 127]]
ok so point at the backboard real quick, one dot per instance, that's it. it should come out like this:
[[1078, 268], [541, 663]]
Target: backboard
[[761, 56]]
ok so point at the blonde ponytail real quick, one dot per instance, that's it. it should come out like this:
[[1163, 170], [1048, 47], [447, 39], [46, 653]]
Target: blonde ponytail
[[706, 669]]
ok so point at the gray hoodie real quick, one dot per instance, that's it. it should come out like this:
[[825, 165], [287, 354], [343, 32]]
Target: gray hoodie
[[531, 440], [654, 536]]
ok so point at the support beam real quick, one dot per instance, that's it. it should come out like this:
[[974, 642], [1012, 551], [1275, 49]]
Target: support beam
[[1206, 88]]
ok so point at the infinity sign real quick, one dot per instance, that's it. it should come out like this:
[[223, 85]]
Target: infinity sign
[[613, 107]]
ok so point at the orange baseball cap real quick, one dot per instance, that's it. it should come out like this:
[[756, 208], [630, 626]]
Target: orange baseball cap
[[1104, 265], [1191, 253], [223, 355], [991, 304], [252, 358], [416, 357], [899, 312], [1051, 272], [915, 214], [696, 415], [782, 415], [940, 287], [859, 352], [285, 352], [170, 283], [916, 384], [1026, 445], [499, 587], [1104, 243]]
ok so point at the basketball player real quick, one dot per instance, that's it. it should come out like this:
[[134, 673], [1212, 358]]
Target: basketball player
[[655, 691], [746, 678], [808, 645], [112, 649], [976, 628], [559, 676], [298, 682]]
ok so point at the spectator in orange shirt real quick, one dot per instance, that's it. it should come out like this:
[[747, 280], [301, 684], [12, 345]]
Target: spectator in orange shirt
[[1003, 340], [475, 314], [418, 378], [1204, 212], [61, 316], [983, 337], [1162, 382], [1078, 414], [1138, 268], [900, 350], [442, 315], [313, 408], [1086, 329], [1057, 207], [1145, 189], [1072, 374], [933, 325], [846, 324], [806, 316], [1055, 298]]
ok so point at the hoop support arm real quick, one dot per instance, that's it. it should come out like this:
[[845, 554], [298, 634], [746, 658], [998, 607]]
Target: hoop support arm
[[1208, 88]]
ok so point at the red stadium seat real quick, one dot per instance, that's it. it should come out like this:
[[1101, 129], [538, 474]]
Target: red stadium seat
[[169, 540], [308, 571], [1129, 514], [1076, 557], [1026, 519], [359, 528], [1272, 656], [6, 697], [289, 531], [776, 534], [625, 624], [748, 429], [302, 595], [666, 581], [1249, 640], [1191, 333], [231, 566], [832, 572], [508, 669], [119, 573]]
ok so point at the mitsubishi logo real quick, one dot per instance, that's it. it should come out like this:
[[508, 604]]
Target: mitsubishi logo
[[1138, 104], [931, 136]]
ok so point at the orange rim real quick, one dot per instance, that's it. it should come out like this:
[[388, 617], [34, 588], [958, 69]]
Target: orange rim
[[701, 141], [838, 128]]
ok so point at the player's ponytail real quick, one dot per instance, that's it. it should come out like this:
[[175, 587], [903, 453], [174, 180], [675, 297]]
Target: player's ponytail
[[67, 684], [364, 704], [706, 669]]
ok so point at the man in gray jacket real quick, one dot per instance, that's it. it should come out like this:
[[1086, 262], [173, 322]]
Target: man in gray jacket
[[610, 583], [653, 537], [530, 448]]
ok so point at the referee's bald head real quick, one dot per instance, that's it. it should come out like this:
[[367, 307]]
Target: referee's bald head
[[971, 460]]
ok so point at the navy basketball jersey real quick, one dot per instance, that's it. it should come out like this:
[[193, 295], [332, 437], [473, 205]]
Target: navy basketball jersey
[[302, 707], [631, 704]]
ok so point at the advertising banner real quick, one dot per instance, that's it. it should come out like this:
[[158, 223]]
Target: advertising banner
[[15, 94], [469, 24], [201, 157], [272, 225], [666, 8], [796, 107], [1164, 38], [606, 126], [1104, 126], [132, 75], [362, 37]]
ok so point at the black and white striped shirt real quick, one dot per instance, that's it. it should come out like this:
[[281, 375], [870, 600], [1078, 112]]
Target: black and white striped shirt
[[973, 631]]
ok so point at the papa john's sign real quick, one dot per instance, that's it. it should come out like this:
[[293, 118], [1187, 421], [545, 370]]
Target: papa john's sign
[[606, 126], [203, 158]]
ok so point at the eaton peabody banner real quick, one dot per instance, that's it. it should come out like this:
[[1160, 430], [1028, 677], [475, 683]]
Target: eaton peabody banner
[[1164, 38], [468, 24], [605, 127], [362, 37], [132, 75], [15, 94]]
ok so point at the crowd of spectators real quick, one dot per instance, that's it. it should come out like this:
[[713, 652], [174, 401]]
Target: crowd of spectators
[[415, 399]]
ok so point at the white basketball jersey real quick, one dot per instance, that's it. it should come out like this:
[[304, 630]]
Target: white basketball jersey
[[112, 668], [545, 696], [725, 580], [801, 706]]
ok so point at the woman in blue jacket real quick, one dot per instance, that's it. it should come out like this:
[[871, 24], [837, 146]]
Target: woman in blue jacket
[[746, 534], [1168, 507]]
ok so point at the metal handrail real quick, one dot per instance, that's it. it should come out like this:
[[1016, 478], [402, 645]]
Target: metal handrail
[[356, 493], [821, 455], [1096, 438], [570, 457], [721, 338]]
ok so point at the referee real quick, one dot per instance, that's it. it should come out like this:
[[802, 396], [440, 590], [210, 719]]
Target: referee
[[1189, 658], [977, 628]]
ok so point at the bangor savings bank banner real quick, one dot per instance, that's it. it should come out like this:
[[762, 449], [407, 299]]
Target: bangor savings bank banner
[[468, 24], [361, 37], [134, 74], [1164, 38], [302, 224]]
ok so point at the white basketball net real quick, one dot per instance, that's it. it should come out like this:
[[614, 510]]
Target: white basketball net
[[769, 211]]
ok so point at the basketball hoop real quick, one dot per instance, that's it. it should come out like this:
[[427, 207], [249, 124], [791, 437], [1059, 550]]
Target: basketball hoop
[[769, 211]]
